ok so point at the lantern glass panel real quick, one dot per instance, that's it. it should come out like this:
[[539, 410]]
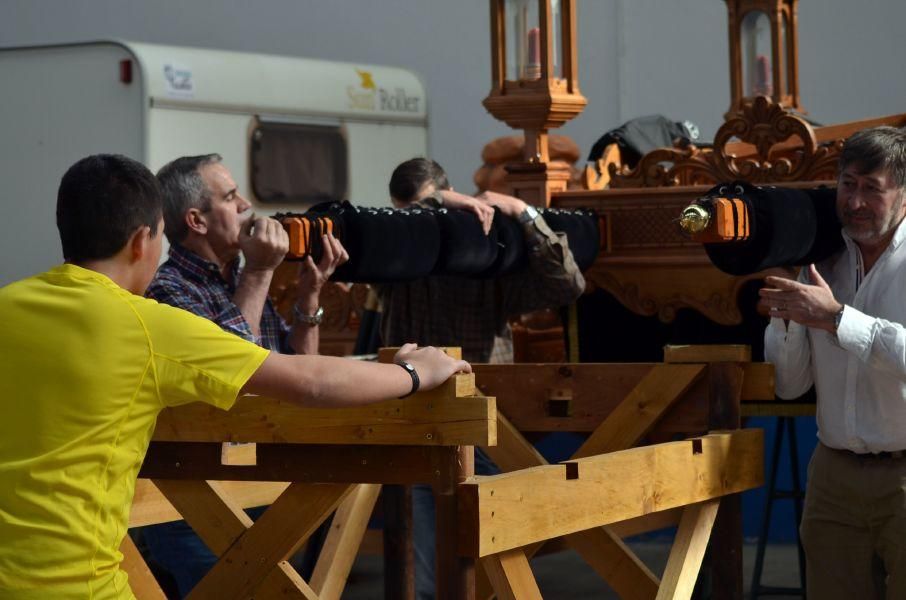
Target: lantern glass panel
[[785, 58], [757, 59], [523, 40], [557, 38]]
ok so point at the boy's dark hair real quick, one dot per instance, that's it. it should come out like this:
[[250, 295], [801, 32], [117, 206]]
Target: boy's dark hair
[[183, 188], [874, 148], [102, 200], [409, 177]]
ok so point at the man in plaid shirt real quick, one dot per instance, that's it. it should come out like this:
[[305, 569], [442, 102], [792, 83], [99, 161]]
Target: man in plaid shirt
[[207, 226], [204, 222]]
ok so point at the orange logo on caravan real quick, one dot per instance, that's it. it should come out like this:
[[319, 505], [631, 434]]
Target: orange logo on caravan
[[362, 97], [365, 96], [367, 81]]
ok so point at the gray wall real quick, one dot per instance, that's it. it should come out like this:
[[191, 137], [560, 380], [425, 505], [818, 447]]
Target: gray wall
[[636, 56]]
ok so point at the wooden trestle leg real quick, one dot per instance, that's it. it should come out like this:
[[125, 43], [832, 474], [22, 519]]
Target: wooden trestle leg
[[725, 385], [454, 575]]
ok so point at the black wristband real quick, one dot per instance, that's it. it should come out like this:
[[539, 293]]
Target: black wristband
[[412, 373]]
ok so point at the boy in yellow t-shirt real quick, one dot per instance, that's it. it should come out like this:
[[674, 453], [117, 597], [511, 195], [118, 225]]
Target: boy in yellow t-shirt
[[88, 364]]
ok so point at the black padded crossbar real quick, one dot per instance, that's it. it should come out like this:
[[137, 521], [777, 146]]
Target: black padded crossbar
[[389, 245]]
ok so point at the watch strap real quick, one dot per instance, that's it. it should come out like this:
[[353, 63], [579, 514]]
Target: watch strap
[[408, 368], [838, 318], [528, 215]]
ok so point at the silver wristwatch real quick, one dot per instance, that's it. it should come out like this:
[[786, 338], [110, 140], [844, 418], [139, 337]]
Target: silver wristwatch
[[314, 319], [528, 215], [838, 318]]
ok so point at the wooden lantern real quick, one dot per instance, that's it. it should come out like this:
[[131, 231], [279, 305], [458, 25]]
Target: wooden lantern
[[764, 52], [534, 85]]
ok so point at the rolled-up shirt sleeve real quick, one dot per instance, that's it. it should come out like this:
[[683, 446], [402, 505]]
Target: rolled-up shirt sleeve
[[552, 278], [876, 342], [789, 349]]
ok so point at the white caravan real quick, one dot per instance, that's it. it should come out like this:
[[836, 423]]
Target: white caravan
[[293, 131]]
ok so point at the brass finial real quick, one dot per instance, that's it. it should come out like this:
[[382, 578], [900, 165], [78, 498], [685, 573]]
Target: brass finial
[[695, 219]]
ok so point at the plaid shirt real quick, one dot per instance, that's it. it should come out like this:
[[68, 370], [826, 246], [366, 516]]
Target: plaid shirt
[[474, 313], [192, 283]]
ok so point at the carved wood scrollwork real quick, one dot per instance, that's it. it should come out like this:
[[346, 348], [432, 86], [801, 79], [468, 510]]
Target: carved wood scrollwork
[[715, 299], [763, 143]]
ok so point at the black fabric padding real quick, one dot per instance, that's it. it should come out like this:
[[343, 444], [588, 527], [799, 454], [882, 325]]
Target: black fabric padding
[[394, 246], [465, 250], [582, 233], [388, 246], [828, 237], [787, 228], [511, 256]]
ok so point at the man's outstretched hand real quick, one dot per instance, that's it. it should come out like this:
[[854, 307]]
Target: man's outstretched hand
[[812, 305]]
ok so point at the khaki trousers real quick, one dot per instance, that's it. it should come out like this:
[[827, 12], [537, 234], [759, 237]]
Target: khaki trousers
[[854, 527]]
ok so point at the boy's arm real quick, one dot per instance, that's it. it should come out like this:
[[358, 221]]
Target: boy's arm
[[330, 382]]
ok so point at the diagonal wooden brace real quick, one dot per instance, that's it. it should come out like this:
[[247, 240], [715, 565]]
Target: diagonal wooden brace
[[252, 556]]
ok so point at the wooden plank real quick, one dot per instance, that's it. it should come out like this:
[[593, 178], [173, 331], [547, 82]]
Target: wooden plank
[[705, 353], [298, 462], [386, 354], [513, 451], [238, 454], [141, 580], [659, 390], [524, 393], [511, 576], [725, 389], [220, 523], [454, 574], [449, 415], [687, 551], [150, 507], [285, 583], [647, 523], [484, 590], [399, 552], [757, 382], [342, 544], [217, 520], [275, 536], [514, 509], [623, 571], [599, 547]]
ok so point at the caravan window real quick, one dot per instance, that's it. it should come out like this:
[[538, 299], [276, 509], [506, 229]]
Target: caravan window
[[295, 164]]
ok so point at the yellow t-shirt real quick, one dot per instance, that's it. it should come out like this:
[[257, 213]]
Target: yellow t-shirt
[[85, 368]]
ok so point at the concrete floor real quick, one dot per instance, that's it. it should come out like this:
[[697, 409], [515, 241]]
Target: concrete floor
[[565, 576]]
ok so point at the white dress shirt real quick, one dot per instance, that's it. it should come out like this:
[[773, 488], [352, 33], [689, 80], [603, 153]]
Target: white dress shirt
[[859, 374]]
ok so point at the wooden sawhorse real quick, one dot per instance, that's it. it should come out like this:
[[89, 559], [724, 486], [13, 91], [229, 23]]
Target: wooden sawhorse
[[696, 390], [328, 456]]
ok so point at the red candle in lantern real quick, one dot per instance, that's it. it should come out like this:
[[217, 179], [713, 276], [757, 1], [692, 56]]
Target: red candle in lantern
[[533, 64]]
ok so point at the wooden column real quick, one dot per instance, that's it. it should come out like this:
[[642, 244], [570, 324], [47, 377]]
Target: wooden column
[[454, 575], [726, 540], [399, 574]]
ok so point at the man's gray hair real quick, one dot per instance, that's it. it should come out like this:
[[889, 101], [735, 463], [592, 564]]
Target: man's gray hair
[[183, 189], [875, 148]]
